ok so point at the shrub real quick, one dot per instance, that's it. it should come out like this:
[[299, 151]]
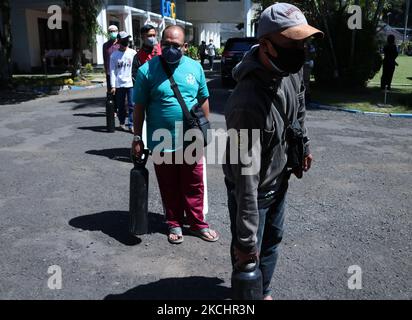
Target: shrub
[[88, 68], [192, 52]]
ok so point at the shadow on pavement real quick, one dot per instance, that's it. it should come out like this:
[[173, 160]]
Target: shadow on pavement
[[13, 97], [87, 102], [115, 224], [189, 288], [119, 154], [95, 129], [90, 115]]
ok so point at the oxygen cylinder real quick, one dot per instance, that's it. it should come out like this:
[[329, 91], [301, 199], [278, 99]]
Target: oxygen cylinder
[[247, 282], [110, 112], [139, 185]]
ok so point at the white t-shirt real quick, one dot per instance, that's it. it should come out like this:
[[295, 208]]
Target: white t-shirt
[[121, 68], [211, 49]]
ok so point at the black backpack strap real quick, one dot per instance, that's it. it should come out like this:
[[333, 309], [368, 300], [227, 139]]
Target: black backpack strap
[[176, 90], [270, 91]]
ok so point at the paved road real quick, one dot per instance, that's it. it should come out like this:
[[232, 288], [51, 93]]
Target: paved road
[[64, 201]]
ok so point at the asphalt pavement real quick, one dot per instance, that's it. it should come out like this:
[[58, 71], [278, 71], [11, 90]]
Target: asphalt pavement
[[64, 197]]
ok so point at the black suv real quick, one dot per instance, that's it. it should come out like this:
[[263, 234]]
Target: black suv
[[234, 51]]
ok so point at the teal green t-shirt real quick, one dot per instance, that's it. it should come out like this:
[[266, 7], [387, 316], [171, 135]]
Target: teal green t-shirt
[[152, 90]]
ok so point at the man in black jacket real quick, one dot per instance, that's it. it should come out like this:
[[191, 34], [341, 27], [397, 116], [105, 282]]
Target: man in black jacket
[[270, 88]]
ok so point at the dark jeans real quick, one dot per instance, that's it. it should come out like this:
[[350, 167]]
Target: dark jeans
[[121, 94], [211, 58], [202, 60], [269, 234]]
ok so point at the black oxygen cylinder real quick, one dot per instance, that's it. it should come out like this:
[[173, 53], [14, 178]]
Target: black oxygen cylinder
[[139, 187], [110, 112], [247, 282]]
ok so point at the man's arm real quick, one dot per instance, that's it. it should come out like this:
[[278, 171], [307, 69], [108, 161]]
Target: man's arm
[[205, 108], [135, 67], [113, 72], [301, 116], [105, 60], [246, 177]]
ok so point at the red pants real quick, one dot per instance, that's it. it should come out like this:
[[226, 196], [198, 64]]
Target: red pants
[[182, 189]]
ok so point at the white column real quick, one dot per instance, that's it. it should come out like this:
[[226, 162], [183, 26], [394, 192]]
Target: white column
[[128, 22], [100, 39], [249, 10]]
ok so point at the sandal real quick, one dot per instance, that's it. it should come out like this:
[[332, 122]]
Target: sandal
[[175, 231], [201, 233]]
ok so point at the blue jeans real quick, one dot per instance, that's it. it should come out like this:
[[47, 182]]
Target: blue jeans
[[121, 94], [269, 234]]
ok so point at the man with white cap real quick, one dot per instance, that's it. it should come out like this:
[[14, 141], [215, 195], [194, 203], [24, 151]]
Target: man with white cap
[[108, 48], [269, 98]]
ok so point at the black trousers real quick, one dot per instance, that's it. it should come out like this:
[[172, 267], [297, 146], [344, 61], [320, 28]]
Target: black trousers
[[387, 75]]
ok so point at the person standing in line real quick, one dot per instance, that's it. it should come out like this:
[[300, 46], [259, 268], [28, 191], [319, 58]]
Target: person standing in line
[[108, 48], [180, 182], [269, 94], [121, 78], [150, 48]]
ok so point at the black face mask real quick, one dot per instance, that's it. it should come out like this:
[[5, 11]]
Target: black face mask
[[124, 43], [289, 60]]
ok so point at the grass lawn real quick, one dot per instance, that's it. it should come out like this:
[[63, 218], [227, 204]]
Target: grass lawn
[[366, 99]]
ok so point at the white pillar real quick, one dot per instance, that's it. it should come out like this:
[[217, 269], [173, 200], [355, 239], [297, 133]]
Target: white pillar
[[249, 10], [100, 39], [128, 22]]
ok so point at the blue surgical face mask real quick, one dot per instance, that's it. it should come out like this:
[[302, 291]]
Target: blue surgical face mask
[[172, 54]]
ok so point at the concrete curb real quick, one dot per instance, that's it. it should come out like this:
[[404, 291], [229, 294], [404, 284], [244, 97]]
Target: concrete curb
[[379, 114], [79, 88]]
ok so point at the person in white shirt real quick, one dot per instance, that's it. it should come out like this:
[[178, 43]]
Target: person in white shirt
[[211, 52], [121, 78]]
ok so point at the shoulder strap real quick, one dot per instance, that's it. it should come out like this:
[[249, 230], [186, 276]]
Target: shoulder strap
[[176, 90], [282, 113]]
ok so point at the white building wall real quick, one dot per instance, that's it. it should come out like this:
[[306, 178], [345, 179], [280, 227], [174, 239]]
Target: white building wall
[[214, 11]]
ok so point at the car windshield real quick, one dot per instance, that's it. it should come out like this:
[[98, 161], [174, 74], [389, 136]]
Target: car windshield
[[239, 45]]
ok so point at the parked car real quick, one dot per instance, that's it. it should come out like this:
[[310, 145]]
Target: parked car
[[234, 51]]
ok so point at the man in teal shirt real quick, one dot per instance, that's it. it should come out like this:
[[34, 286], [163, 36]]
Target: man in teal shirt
[[181, 184]]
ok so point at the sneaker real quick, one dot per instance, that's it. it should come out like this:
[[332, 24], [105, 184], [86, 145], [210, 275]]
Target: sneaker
[[122, 127], [131, 129]]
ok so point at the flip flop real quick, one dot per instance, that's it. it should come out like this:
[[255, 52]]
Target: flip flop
[[201, 234], [178, 232]]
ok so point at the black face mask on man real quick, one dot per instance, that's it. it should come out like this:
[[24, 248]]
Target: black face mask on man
[[124, 42], [289, 60]]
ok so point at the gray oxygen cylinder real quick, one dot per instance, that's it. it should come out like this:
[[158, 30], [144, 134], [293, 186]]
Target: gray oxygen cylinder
[[139, 186]]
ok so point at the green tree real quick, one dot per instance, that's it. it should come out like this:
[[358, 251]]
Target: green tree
[[5, 43], [84, 14]]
